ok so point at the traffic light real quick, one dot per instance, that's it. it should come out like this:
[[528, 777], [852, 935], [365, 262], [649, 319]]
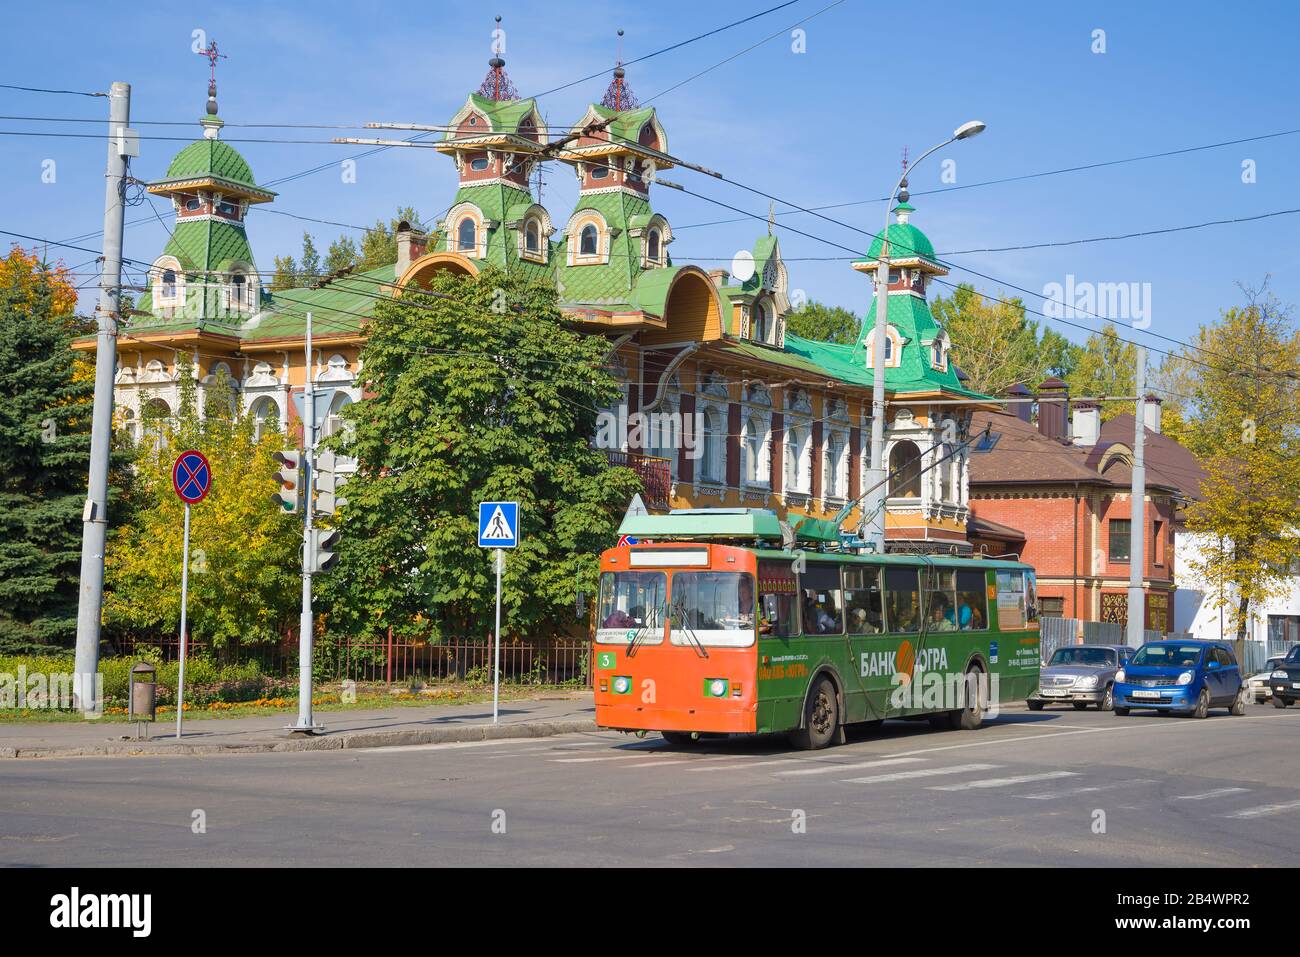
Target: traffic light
[[327, 483], [322, 559], [289, 479]]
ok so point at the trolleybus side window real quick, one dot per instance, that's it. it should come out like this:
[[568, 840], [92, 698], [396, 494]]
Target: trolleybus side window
[[712, 608], [1017, 600], [902, 600], [631, 602], [778, 594], [822, 604], [972, 601], [940, 599], [864, 599]]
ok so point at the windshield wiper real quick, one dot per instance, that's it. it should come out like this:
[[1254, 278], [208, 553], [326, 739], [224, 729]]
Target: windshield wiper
[[642, 631], [697, 645]]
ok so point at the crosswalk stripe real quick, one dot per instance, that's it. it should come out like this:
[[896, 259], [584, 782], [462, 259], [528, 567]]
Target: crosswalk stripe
[[748, 764], [1086, 789], [826, 769], [919, 773], [1003, 782], [603, 757], [1217, 792], [655, 764], [1264, 810]]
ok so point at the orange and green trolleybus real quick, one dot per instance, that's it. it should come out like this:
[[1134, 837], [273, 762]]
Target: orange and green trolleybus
[[725, 621]]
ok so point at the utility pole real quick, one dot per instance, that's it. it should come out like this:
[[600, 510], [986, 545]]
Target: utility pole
[[305, 723], [1137, 514], [94, 516]]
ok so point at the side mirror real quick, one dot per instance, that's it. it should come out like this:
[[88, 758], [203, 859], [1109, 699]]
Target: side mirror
[[1211, 665]]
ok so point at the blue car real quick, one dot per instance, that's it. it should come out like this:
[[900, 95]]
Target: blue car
[[1187, 677]]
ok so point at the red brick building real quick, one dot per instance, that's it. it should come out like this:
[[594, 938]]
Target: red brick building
[[1058, 491]]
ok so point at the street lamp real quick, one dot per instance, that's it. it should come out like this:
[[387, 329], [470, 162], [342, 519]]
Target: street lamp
[[873, 516]]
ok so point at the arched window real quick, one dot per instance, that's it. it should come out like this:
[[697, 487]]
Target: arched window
[[831, 467], [652, 246], [237, 290], [169, 284], [711, 448], [796, 454], [947, 475], [467, 235], [889, 348], [905, 470], [756, 459], [532, 237], [266, 417], [589, 241], [938, 355], [760, 322]]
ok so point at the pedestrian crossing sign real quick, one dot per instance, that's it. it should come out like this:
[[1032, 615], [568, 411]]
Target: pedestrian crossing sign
[[498, 524]]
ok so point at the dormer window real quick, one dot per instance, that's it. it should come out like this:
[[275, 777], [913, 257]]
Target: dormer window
[[654, 247], [760, 322], [467, 236], [889, 349], [937, 350], [532, 237], [589, 241], [168, 284]]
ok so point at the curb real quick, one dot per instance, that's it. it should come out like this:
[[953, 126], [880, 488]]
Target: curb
[[347, 740]]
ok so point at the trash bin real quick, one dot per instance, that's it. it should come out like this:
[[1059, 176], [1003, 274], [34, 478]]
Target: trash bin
[[142, 695]]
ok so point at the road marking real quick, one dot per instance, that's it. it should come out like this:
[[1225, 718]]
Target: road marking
[[1003, 782], [656, 764], [919, 773], [749, 764], [827, 768], [457, 745], [1264, 810], [603, 757], [1087, 789], [1217, 792]]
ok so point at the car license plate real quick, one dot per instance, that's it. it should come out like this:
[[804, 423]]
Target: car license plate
[[1052, 693], [1295, 684], [1145, 694]]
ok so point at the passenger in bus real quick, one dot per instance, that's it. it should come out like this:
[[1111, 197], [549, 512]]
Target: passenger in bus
[[619, 619], [860, 624], [939, 620], [816, 619]]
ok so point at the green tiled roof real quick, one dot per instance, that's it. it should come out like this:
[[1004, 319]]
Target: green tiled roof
[[340, 306], [211, 158], [612, 282], [626, 125], [905, 242], [503, 116]]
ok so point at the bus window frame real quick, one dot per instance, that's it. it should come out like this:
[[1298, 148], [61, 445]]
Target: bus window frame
[[701, 635], [646, 634]]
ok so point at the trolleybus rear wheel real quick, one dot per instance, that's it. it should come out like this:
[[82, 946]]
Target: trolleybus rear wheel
[[821, 718]]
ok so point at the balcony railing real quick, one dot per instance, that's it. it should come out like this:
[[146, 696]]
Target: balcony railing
[[655, 473]]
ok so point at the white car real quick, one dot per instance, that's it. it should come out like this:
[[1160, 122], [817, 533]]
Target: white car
[[1257, 684]]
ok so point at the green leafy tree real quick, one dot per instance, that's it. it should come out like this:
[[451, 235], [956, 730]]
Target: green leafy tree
[[490, 394], [308, 262], [993, 342], [1243, 378], [342, 254], [286, 274], [44, 454], [244, 552], [379, 244], [1105, 365], [815, 320]]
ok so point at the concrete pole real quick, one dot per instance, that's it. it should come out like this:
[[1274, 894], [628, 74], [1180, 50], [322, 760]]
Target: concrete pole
[[94, 516], [1137, 512], [305, 626]]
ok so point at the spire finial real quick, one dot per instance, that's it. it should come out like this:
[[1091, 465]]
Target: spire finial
[[496, 85], [619, 96], [771, 217], [210, 123]]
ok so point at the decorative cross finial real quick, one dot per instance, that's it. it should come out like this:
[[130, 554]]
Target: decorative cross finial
[[904, 160], [618, 97], [771, 217], [496, 85]]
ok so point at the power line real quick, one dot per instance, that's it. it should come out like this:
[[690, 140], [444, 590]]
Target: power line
[[35, 89]]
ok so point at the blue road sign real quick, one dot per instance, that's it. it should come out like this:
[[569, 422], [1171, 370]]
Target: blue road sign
[[191, 476], [498, 524]]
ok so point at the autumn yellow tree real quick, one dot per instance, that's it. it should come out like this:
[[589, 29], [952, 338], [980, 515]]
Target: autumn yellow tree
[[1243, 377], [244, 552]]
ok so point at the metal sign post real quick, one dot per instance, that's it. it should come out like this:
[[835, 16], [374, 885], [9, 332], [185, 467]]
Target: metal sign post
[[498, 527], [191, 479]]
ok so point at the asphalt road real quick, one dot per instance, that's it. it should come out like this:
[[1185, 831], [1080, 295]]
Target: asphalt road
[[1027, 789]]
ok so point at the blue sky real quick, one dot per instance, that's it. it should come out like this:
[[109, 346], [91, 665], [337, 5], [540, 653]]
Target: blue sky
[[811, 127]]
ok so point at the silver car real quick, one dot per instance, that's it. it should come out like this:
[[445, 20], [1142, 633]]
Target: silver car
[[1081, 675], [1258, 683]]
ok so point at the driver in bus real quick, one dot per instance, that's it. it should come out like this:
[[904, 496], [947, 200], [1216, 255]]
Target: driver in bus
[[744, 604]]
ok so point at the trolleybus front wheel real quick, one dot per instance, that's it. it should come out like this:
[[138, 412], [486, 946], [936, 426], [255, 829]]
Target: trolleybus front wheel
[[678, 739], [821, 718]]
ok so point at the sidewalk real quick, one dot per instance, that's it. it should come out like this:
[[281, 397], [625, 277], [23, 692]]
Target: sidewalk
[[383, 727]]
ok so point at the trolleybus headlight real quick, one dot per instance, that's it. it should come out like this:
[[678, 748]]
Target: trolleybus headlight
[[622, 684], [715, 687]]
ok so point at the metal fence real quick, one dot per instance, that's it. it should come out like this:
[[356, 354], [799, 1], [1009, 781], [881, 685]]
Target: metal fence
[[395, 660]]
